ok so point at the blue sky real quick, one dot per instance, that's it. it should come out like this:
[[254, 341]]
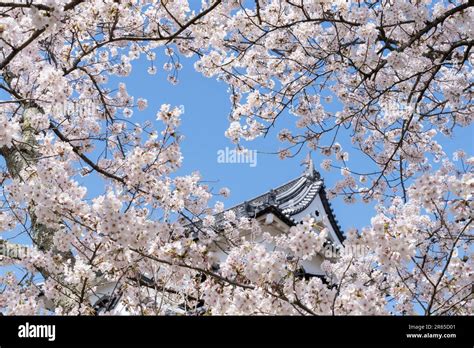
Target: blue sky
[[205, 120]]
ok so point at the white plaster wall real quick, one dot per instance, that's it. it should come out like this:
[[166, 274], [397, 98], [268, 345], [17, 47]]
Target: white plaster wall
[[317, 204], [275, 228]]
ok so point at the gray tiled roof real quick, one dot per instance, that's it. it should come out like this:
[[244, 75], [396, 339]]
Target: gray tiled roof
[[288, 200]]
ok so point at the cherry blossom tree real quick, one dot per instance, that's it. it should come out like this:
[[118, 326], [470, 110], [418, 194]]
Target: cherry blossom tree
[[402, 71]]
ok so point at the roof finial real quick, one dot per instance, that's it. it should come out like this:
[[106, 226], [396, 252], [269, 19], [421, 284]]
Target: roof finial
[[308, 162]]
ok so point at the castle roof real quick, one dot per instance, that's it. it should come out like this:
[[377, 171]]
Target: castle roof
[[288, 200]]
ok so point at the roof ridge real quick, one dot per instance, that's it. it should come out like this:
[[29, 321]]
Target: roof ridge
[[266, 192]]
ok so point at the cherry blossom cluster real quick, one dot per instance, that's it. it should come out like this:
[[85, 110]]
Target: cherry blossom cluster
[[396, 76]]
